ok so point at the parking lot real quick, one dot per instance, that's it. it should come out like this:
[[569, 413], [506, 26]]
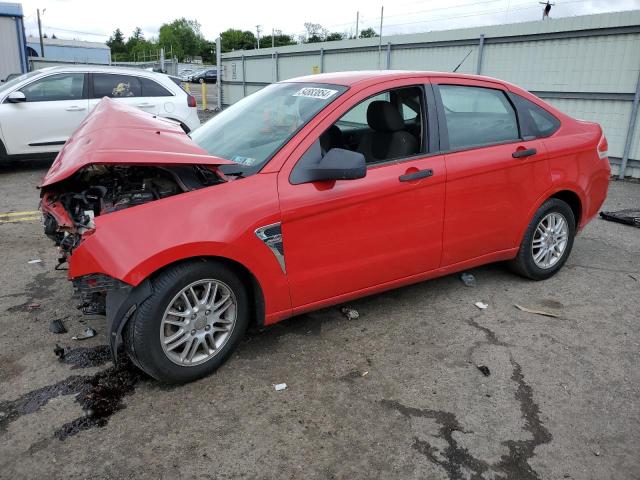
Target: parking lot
[[395, 393]]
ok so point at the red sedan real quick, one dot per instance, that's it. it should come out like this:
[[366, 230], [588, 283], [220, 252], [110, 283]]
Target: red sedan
[[309, 193]]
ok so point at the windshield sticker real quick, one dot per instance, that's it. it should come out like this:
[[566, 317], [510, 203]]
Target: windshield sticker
[[248, 161], [311, 92]]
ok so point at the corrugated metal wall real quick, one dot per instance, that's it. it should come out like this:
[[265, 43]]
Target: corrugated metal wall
[[588, 67]]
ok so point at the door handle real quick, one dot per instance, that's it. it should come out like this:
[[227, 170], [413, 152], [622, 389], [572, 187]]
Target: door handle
[[145, 105], [75, 108], [524, 153], [407, 177]]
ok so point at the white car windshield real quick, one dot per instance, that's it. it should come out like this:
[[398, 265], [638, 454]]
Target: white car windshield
[[14, 81], [252, 130]]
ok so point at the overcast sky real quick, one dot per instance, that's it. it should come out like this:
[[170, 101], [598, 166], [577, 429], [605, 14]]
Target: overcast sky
[[95, 20]]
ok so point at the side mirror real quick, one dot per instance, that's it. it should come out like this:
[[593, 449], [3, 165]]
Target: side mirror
[[16, 97], [337, 164]]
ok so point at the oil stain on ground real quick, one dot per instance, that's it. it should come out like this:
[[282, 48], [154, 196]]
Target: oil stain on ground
[[100, 395]]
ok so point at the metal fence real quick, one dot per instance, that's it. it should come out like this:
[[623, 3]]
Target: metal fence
[[588, 67]]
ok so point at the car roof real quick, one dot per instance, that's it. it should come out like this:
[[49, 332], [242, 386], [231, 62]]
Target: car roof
[[373, 76], [103, 69]]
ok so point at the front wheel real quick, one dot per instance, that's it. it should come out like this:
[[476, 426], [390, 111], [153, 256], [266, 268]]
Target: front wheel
[[194, 319], [547, 242]]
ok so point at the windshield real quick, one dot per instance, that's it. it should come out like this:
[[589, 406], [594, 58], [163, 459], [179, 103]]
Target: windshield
[[14, 81], [251, 131]]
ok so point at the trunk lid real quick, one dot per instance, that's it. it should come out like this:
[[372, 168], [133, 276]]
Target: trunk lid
[[115, 133]]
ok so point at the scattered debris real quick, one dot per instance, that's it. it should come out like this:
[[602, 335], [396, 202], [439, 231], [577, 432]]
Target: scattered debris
[[56, 326], [87, 357], [484, 369], [59, 352], [629, 216], [637, 279], [350, 313], [468, 279], [88, 333], [33, 306], [35, 260], [481, 305], [596, 453], [364, 374], [537, 312], [280, 386]]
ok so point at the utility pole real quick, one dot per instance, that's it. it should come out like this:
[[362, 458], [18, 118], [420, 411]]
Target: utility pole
[[40, 32], [380, 37], [357, 22], [273, 38], [258, 31]]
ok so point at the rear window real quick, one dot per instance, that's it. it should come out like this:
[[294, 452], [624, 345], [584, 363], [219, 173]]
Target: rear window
[[477, 116], [536, 121], [153, 89], [116, 86]]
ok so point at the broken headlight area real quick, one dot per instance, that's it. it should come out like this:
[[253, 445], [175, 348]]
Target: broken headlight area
[[70, 206], [93, 290]]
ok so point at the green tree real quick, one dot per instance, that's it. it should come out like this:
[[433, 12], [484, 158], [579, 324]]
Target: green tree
[[279, 40], [182, 37], [234, 39], [332, 37], [368, 33], [116, 43], [315, 33]]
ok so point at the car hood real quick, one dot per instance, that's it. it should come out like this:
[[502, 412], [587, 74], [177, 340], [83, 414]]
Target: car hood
[[115, 133]]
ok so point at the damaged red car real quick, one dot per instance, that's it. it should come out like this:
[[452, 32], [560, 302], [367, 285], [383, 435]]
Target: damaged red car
[[309, 193]]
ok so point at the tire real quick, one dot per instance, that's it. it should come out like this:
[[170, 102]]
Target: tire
[[525, 263], [148, 330]]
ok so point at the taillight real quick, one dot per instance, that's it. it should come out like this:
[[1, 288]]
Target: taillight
[[603, 148], [191, 101]]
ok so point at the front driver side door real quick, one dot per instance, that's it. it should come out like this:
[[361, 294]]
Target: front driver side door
[[55, 106], [346, 236]]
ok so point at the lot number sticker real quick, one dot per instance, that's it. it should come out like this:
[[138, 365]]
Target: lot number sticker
[[321, 93]]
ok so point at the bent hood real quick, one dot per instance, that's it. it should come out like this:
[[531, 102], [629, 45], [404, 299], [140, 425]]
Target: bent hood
[[115, 133]]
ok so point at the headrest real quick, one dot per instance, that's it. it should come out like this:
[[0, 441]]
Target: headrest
[[383, 116]]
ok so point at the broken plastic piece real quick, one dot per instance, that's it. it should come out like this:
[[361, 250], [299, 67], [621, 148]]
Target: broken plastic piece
[[350, 313], [629, 216], [484, 369], [33, 306], [35, 260], [537, 312], [56, 326], [481, 305], [468, 279], [88, 333], [364, 374], [59, 352], [280, 386]]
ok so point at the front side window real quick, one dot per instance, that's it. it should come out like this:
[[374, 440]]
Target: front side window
[[477, 116], [116, 86], [63, 86], [252, 130], [385, 127]]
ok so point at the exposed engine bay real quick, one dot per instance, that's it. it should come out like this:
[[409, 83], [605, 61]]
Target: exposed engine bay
[[102, 189]]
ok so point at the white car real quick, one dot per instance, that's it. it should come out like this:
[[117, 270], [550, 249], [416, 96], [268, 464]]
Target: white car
[[40, 110]]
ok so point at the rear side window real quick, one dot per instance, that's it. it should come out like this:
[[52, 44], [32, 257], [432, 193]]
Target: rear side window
[[153, 89], [536, 121], [477, 116], [64, 86], [116, 86]]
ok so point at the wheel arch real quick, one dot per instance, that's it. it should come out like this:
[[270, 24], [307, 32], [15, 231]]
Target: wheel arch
[[572, 199], [256, 295]]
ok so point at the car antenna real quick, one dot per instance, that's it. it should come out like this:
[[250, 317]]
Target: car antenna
[[460, 64]]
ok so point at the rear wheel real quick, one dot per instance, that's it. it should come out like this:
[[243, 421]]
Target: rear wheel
[[547, 242], [196, 316]]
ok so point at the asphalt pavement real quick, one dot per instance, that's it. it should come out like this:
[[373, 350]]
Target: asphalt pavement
[[394, 394]]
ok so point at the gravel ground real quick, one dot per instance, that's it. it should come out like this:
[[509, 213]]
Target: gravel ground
[[393, 394]]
